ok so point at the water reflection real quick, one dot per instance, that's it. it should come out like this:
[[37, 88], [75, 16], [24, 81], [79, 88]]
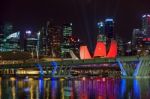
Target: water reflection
[[54, 87], [81, 88], [136, 89], [122, 88], [100, 88]]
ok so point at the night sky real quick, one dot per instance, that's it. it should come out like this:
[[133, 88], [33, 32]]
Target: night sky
[[83, 14]]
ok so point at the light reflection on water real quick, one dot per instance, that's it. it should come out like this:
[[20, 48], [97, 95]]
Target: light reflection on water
[[87, 88]]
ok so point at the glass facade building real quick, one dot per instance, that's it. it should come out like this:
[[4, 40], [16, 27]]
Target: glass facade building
[[53, 40], [109, 28], [66, 45], [146, 24], [101, 31]]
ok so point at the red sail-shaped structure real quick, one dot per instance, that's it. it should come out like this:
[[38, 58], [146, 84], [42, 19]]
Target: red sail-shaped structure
[[84, 53], [100, 50], [112, 50]]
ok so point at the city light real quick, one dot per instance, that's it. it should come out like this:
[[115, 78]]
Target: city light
[[28, 32], [109, 20], [100, 24], [75, 49]]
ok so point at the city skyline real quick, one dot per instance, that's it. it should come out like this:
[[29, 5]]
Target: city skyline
[[75, 49], [83, 14]]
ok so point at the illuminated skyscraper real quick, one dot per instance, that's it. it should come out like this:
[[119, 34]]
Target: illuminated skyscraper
[[9, 39], [67, 36], [30, 41], [109, 28], [101, 28], [53, 40], [67, 30], [146, 24], [1, 40], [50, 39], [7, 29], [137, 36], [101, 31]]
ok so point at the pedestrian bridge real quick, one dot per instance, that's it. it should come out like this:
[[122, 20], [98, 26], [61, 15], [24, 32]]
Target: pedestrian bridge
[[128, 65]]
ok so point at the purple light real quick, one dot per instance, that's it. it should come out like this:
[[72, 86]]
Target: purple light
[[144, 16], [28, 32], [148, 15]]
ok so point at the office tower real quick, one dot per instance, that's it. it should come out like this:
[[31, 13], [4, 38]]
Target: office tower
[[109, 28], [146, 24], [67, 30], [120, 44], [43, 41], [137, 36], [101, 28], [1, 39], [7, 29], [53, 40], [101, 31], [66, 45], [30, 41]]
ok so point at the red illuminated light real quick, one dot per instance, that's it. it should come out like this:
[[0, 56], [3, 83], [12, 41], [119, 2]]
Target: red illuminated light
[[84, 53], [100, 50], [146, 39], [112, 50]]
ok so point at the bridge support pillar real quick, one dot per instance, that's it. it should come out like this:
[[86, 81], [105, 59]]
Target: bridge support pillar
[[47, 70], [137, 68], [40, 68], [54, 65], [60, 70], [123, 72]]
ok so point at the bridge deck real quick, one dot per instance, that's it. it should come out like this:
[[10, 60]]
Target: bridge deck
[[71, 62]]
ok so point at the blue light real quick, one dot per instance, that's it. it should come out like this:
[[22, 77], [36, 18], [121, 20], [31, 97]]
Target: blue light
[[41, 85], [121, 67], [40, 68], [100, 24], [136, 89], [137, 68], [54, 64], [123, 87], [53, 83], [108, 19]]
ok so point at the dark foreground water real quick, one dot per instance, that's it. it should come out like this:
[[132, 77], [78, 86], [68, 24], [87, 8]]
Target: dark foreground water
[[81, 88]]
